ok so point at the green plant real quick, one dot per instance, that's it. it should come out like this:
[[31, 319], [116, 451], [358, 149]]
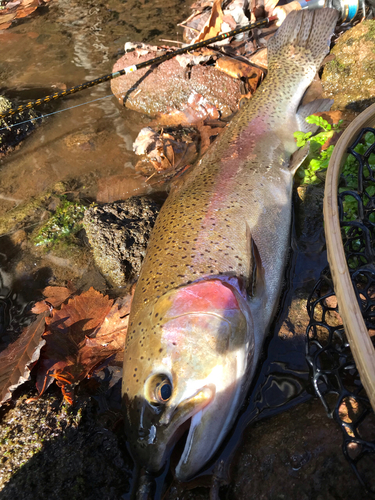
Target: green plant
[[317, 159], [62, 225], [350, 175]]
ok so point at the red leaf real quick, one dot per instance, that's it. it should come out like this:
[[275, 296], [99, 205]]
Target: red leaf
[[16, 359], [54, 295], [90, 306], [79, 336]]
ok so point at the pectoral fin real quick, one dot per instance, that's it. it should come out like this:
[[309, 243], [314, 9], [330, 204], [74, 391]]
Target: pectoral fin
[[256, 275]]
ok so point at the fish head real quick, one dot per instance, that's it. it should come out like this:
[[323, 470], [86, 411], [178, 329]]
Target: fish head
[[185, 371]]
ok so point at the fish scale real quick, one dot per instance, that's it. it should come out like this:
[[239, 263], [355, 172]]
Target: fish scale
[[212, 276]]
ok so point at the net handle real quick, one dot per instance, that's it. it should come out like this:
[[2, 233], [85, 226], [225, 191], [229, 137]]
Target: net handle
[[349, 310]]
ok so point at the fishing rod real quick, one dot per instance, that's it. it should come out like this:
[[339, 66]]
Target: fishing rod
[[136, 67]]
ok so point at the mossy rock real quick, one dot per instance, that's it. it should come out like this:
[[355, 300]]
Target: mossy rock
[[349, 79]]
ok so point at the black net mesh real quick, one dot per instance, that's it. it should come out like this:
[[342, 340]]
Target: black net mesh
[[334, 374]]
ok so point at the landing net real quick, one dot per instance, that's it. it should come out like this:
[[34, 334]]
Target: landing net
[[334, 374]]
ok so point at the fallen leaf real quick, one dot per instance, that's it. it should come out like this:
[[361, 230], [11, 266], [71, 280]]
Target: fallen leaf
[[213, 26], [26, 11], [17, 358], [239, 69], [6, 20], [260, 58], [164, 151], [54, 296], [82, 334], [18, 9]]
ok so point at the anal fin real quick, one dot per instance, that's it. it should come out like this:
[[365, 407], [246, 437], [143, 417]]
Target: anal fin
[[298, 158]]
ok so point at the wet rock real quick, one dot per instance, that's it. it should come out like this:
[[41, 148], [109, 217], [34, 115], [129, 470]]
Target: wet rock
[[168, 86], [349, 79], [118, 234], [84, 141]]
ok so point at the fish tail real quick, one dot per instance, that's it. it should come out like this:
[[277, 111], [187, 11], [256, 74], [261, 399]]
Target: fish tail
[[302, 41]]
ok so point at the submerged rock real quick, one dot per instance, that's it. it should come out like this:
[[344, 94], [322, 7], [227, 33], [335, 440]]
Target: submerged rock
[[349, 79], [118, 234]]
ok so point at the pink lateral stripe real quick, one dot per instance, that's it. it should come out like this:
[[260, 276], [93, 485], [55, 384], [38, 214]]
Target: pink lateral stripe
[[205, 296]]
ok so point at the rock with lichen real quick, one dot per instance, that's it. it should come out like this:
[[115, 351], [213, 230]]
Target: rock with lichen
[[349, 79]]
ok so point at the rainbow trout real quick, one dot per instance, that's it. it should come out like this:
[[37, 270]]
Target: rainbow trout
[[212, 276]]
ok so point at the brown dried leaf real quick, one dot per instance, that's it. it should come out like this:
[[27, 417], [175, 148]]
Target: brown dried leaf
[[91, 307], [260, 58], [16, 359], [165, 152], [17, 9], [54, 295], [206, 136], [6, 20], [239, 69], [26, 10], [213, 25], [109, 338], [79, 336]]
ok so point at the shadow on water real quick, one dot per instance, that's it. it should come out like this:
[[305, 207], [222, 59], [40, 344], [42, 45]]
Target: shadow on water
[[17, 294]]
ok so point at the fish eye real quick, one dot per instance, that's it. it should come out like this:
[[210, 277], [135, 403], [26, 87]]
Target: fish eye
[[164, 391], [158, 389]]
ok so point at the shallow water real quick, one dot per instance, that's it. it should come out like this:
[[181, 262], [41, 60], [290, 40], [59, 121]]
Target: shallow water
[[57, 47], [60, 46]]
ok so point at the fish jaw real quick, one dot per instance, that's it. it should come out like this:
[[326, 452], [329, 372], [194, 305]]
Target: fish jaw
[[203, 346]]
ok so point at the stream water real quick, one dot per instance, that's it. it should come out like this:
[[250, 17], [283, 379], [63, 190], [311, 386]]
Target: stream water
[[59, 46], [72, 41]]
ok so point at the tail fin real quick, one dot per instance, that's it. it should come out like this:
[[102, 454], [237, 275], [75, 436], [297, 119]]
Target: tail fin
[[303, 38]]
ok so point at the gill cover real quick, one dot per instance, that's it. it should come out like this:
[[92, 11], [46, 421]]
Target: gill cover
[[183, 371]]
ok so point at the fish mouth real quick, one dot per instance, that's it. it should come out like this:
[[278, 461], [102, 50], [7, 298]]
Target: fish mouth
[[181, 437], [185, 421], [190, 426], [180, 452]]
